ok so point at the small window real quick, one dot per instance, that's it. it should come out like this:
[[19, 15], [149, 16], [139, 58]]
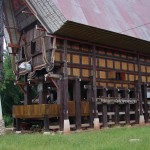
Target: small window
[[33, 47], [116, 75], [120, 76], [22, 51]]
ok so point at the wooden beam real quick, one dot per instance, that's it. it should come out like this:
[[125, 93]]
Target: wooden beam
[[144, 96], [17, 124], [127, 108], [46, 123], [89, 98], [116, 108], [139, 85], [27, 93], [94, 92], [13, 45], [60, 99], [77, 98], [42, 93], [104, 115], [65, 81]]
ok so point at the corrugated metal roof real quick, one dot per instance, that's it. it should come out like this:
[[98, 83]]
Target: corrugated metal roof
[[117, 23], [111, 15]]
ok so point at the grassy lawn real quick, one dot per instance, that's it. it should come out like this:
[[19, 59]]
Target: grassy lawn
[[111, 139]]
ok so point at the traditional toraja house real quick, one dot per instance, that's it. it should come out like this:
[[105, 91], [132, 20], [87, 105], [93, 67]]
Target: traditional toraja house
[[87, 60]]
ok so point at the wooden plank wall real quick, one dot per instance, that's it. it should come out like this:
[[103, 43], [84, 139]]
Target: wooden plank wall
[[109, 62]]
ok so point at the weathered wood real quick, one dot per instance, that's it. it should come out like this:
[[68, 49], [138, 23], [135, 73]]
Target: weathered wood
[[77, 98], [65, 82], [46, 123], [127, 108], [137, 113], [61, 102], [89, 98], [104, 113], [13, 45], [94, 90], [17, 124], [42, 93], [27, 94], [116, 114], [116, 108], [139, 85], [144, 96]]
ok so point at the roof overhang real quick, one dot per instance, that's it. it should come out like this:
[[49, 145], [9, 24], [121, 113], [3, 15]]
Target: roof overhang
[[103, 37]]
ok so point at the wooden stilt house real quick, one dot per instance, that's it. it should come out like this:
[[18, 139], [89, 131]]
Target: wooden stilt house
[[80, 63]]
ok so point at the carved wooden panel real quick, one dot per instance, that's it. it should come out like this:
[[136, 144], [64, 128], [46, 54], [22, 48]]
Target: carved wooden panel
[[131, 66], [109, 63], [76, 72], [57, 56], [85, 60], [143, 68], [117, 65], [102, 62], [143, 78], [85, 73], [131, 77], [103, 74], [76, 59], [124, 65]]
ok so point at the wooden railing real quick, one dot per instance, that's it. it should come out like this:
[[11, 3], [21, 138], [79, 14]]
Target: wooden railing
[[51, 110]]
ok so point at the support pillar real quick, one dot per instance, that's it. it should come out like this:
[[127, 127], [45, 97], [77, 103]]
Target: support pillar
[[116, 108], [60, 101], [77, 98], [127, 108], [116, 114], [104, 115], [141, 117], [27, 95], [46, 124], [42, 93], [18, 126], [89, 98], [65, 91], [144, 95], [94, 92]]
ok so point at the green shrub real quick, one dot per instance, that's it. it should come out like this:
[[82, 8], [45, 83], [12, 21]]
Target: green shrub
[[8, 120]]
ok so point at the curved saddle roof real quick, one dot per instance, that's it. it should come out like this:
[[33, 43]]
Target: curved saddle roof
[[124, 23]]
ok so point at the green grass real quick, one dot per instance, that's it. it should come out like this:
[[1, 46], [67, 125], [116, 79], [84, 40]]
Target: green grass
[[111, 139]]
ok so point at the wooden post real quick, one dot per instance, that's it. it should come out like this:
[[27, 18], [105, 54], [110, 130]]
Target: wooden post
[[136, 107], [27, 95], [18, 125], [116, 114], [141, 118], [46, 123], [127, 109], [89, 98], [42, 93], [77, 98], [144, 91], [116, 108], [104, 111], [61, 102], [65, 89], [94, 92]]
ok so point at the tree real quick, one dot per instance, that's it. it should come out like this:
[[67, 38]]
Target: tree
[[10, 94]]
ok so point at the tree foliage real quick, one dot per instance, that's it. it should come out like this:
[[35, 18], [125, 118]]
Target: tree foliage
[[10, 94]]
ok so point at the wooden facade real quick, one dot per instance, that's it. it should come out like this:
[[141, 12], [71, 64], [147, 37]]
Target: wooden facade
[[78, 80]]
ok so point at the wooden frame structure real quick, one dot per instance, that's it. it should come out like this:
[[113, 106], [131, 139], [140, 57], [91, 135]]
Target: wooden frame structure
[[87, 84]]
